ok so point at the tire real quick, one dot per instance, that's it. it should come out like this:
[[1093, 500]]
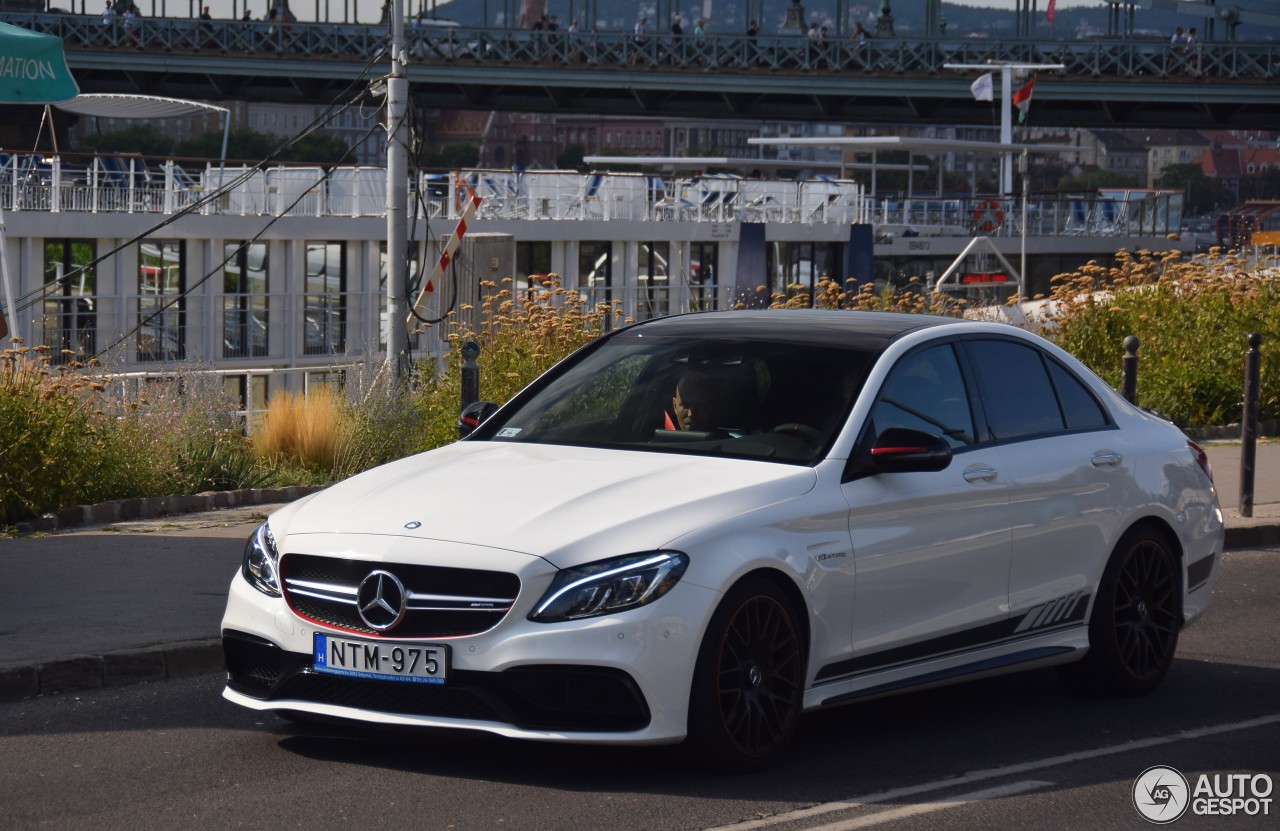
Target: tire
[[748, 683], [1133, 631]]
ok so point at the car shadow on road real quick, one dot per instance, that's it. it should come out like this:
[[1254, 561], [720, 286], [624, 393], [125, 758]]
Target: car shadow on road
[[861, 748]]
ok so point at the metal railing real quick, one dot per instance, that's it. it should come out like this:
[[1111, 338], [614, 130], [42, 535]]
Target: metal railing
[[32, 182], [1138, 58]]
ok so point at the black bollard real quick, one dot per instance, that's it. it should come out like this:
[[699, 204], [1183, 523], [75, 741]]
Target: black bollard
[[1129, 370], [1249, 423], [470, 373]]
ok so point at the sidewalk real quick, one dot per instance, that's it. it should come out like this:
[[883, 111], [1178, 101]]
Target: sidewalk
[[142, 599]]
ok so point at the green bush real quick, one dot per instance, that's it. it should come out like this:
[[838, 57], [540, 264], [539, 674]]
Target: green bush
[[1191, 318]]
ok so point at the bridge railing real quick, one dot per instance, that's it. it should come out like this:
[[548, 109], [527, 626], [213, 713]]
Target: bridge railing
[[1103, 56]]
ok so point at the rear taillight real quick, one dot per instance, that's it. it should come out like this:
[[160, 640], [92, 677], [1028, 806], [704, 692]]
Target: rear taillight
[[1202, 458]]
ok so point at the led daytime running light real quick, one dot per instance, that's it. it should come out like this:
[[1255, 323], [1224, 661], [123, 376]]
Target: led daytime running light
[[666, 568]]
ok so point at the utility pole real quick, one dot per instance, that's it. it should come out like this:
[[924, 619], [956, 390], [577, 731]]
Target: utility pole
[[397, 199], [1006, 108]]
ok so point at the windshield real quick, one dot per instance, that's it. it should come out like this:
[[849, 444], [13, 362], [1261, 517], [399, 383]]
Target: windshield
[[780, 401]]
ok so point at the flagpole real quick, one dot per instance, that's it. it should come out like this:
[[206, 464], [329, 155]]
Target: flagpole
[[1006, 109]]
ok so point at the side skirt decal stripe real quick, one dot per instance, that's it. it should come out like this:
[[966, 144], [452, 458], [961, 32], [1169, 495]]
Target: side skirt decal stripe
[[990, 634], [1023, 657]]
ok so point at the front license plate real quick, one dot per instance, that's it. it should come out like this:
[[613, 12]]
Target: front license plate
[[416, 663]]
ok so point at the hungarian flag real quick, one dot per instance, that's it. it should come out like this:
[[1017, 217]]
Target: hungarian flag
[[1022, 99]]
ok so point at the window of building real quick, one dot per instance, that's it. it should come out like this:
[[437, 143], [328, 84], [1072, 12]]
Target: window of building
[[594, 272], [69, 319], [704, 260], [244, 300], [533, 263], [653, 284], [325, 302], [162, 305], [797, 268]]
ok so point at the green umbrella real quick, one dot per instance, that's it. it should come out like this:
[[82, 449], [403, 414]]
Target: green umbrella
[[32, 68]]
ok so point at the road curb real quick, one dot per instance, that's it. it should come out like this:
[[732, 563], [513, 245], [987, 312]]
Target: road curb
[[147, 507], [112, 669], [1252, 536]]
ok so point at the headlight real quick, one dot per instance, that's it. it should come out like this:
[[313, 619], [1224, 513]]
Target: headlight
[[610, 586], [260, 558]]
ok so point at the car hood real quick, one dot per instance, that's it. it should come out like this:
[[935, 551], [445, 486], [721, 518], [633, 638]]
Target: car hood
[[566, 504]]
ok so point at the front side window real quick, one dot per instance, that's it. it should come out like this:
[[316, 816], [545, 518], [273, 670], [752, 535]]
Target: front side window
[[244, 300], [926, 392], [775, 401], [161, 328], [325, 300], [69, 321]]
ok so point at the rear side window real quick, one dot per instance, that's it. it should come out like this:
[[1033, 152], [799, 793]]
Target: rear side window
[[1016, 392], [1082, 410]]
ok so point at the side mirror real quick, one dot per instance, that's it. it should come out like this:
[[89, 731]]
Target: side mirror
[[473, 415], [899, 450]]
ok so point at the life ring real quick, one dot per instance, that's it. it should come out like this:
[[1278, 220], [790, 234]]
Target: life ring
[[988, 216]]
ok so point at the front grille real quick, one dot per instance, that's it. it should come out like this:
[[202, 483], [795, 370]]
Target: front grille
[[442, 603]]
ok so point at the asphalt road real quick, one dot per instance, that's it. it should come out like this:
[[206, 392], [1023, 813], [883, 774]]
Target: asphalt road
[[1020, 752]]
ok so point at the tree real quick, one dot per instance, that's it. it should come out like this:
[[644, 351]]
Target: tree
[[571, 158], [319, 148], [145, 139], [452, 156], [254, 145], [242, 143], [1264, 185], [1092, 179], [1204, 195]]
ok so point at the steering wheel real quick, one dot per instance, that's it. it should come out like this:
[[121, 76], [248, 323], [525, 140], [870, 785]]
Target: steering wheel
[[803, 432]]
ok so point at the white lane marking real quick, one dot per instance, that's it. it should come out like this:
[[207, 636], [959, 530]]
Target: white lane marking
[[907, 811], [996, 773]]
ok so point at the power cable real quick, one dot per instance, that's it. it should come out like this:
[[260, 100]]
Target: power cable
[[43, 292], [328, 171]]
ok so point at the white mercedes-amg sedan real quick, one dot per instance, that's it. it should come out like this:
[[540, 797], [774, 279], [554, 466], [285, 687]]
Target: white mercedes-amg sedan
[[697, 528]]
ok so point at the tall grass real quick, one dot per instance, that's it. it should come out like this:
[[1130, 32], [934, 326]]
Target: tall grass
[[519, 339], [67, 438]]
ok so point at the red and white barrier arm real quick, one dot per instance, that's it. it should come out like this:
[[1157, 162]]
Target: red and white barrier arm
[[450, 247]]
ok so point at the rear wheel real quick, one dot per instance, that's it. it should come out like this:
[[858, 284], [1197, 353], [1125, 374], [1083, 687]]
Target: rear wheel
[[1133, 632], [748, 683]]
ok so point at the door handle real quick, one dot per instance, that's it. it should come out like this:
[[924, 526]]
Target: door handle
[[1107, 459], [980, 474]]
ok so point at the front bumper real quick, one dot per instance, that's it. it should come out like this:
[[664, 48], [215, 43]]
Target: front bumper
[[615, 679]]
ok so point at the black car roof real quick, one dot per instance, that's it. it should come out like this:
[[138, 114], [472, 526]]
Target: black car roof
[[820, 327]]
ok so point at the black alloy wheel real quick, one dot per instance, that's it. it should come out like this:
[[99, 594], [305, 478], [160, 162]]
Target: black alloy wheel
[[1133, 633], [749, 680]]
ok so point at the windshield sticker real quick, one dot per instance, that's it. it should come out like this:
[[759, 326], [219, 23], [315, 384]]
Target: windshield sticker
[[509, 432]]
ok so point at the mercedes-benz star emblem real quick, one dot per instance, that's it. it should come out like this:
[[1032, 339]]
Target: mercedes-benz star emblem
[[381, 600]]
